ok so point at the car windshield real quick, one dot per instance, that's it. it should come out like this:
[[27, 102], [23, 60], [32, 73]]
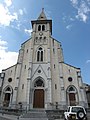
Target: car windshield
[[76, 109]]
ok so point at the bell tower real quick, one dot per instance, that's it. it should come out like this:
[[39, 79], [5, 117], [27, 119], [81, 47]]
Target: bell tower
[[42, 28]]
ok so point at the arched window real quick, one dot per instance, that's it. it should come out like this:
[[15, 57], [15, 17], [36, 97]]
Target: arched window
[[39, 28], [43, 27], [40, 54], [39, 83], [71, 89], [8, 89]]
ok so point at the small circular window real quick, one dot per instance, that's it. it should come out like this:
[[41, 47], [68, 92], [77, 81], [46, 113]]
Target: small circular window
[[10, 80], [70, 79], [39, 71]]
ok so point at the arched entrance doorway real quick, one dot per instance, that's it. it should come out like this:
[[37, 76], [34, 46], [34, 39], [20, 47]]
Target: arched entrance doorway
[[72, 96], [7, 96], [38, 100]]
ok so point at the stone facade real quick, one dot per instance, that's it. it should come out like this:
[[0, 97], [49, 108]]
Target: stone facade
[[41, 78], [87, 89]]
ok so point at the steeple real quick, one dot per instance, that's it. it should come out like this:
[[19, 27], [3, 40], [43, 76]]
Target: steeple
[[42, 24], [42, 16]]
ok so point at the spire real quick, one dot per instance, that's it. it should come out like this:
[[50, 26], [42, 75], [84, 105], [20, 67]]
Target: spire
[[42, 16]]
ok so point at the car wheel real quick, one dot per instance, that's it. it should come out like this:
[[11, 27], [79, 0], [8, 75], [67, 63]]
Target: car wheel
[[80, 115]]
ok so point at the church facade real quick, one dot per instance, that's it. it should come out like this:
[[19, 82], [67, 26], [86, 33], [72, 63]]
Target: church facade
[[41, 78]]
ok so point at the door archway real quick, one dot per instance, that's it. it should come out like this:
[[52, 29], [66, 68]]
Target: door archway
[[38, 97], [72, 97], [7, 96]]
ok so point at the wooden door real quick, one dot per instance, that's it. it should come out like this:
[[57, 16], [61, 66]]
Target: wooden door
[[38, 98], [72, 99], [6, 100]]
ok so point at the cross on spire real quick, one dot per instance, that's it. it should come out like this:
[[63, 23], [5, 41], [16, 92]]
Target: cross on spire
[[42, 9], [42, 16]]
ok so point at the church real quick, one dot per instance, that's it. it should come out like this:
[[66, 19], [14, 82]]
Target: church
[[41, 78]]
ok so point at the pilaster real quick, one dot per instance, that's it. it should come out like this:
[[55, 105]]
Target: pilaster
[[62, 92]]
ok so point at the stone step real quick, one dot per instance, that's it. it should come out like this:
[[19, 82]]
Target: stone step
[[33, 119], [35, 114], [43, 115], [54, 114]]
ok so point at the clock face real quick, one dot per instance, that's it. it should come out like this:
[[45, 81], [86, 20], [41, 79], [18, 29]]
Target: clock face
[[40, 33]]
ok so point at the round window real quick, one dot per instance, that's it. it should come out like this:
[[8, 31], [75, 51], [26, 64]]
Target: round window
[[10, 80], [70, 79], [39, 71]]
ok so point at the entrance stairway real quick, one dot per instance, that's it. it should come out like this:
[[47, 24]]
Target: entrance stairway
[[41, 114], [34, 115]]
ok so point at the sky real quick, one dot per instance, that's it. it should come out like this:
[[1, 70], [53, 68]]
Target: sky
[[71, 26]]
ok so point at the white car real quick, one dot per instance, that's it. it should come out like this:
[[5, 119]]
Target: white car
[[75, 113]]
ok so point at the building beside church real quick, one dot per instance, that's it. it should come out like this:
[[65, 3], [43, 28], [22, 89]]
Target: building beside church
[[87, 88], [41, 78]]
